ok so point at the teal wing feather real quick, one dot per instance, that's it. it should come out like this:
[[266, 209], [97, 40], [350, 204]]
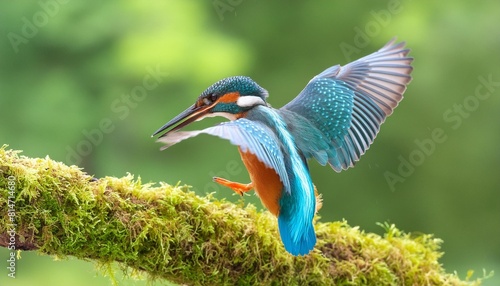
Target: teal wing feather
[[250, 136], [342, 108], [298, 205]]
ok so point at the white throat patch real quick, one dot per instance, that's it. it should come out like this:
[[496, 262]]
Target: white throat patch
[[249, 101]]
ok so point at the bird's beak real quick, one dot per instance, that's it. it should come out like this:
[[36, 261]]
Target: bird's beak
[[186, 117]]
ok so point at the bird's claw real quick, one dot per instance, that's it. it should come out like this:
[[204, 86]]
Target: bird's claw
[[238, 188]]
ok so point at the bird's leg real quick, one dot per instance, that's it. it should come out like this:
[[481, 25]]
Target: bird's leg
[[319, 200], [239, 188]]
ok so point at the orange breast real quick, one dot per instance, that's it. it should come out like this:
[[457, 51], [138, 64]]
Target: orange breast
[[265, 180]]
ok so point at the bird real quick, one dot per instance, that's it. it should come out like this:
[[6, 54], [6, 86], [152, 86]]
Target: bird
[[334, 120]]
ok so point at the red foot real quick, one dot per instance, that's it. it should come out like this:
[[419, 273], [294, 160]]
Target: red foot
[[239, 188]]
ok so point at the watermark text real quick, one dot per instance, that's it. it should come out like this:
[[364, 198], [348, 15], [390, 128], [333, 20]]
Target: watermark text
[[454, 118], [11, 226]]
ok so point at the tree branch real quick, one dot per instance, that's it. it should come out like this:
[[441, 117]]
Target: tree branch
[[171, 233]]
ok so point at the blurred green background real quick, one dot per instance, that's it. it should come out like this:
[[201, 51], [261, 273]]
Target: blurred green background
[[87, 82]]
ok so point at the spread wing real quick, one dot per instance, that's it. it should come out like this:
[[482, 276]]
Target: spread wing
[[345, 105], [248, 135]]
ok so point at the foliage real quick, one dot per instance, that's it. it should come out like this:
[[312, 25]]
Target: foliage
[[171, 233]]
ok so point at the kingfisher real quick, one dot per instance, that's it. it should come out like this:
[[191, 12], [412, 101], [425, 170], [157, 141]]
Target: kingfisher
[[334, 120]]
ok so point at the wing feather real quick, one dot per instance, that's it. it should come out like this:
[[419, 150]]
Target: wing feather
[[250, 136], [347, 104]]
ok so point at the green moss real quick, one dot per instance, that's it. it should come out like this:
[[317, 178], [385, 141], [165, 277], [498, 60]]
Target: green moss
[[168, 232]]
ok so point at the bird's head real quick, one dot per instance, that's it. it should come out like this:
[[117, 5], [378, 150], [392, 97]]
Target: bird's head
[[231, 97]]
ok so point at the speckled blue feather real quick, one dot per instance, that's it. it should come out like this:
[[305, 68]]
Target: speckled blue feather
[[264, 133], [242, 84], [297, 204], [334, 120], [251, 136], [343, 107], [327, 106]]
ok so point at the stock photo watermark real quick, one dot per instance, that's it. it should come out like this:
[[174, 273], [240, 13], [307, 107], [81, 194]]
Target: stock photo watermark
[[453, 118], [11, 226], [31, 26], [223, 6], [121, 106], [363, 35], [231, 169]]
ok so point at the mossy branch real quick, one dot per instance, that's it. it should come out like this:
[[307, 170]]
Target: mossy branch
[[171, 233]]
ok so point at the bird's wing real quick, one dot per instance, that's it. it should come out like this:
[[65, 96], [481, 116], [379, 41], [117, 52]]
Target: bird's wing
[[250, 136], [347, 104]]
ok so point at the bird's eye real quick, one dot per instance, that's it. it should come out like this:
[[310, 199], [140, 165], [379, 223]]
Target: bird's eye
[[211, 98]]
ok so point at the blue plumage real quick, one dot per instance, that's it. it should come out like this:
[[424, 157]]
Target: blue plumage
[[242, 84], [252, 136], [334, 120], [261, 133], [306, 241], [297, 205], [348, 104]]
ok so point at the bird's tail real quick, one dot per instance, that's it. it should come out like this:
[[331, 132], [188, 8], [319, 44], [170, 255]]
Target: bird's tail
[[303, 242]]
